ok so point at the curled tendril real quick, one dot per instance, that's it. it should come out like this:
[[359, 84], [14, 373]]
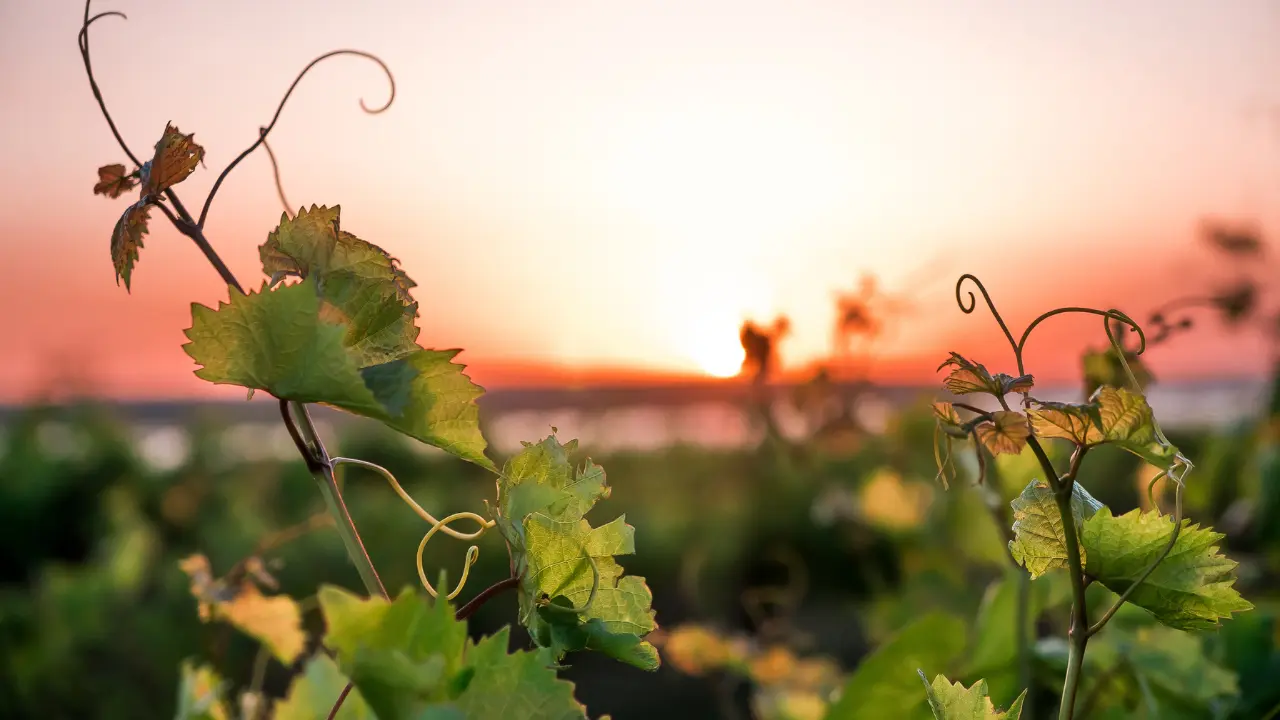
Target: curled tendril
[[591, 598], [441, 525], [82, 39], [1019, 346], [263, 132], [395, 485], [473, 552]]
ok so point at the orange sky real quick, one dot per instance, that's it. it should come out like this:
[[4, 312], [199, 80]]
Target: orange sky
[[618, 184]]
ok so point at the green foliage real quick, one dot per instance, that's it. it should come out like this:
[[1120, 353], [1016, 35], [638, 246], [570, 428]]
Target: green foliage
[[953, 701], [573, 595], [343, 336], [1191, 589], [200, 695], [884, 686], [1039, 542], [313, 694], [412, 660]]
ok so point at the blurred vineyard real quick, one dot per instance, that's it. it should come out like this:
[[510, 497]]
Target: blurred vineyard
[[776, 568]]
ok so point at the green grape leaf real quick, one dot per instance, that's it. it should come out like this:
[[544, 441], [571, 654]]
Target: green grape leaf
[[969, 377], [114, 181], [413, 661], [200, 694], [360, 285], [515, 686], [1191, 589], [314, 692], [884, 684], [126, 240], [176, 157], [953, 701], [401, 655], [1005, 433], [1114, 416], [277, 341], [1038, 543], [273, 620], [568, 575]]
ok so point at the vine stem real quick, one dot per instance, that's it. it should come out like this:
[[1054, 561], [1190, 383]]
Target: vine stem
[[307, 438]]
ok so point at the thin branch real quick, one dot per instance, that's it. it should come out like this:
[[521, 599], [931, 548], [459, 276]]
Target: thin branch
[[342, 697], [263, 132], [485, 595], [275, 173], [83, 40]]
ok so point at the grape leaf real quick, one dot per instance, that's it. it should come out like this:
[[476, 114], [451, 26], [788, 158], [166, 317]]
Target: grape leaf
[[1039, 543], [200, 694], [1005, 433], [1113, 415], [1176, 662], [314, 692], [884, 684], [114, 181], [560, 557], [970, 377], [277, 341], [176, 158], [275, 620], [956, 702], [414, 660], [126, 240], [360, 285], [1191, 589], [515, 686]]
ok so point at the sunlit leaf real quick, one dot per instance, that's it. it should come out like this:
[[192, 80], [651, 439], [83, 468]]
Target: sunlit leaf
[[1039, 542], [275, 621], [360, 285], [126, 240], [946, 414], [1005, 433], [314, 692], [969, 377], [1192, 588], [412, 660], [114, 181], [200, 694], [176, 157], [276, 340], [886, 684], [540, 512], [1112, 416], [953, 701], [1079, 423]]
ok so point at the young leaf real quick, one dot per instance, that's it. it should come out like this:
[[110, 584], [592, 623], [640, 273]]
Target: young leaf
[[314, 692], [360, 285], [200, 694], [1006, 432], [114, 181], [414, 661], [572, 592], [515, 686], [176, 157], [274, 621], [1039, 543], [970, 377], [126, 240], [1191, 589], [884, 684], [945, 413], [1113, 415], [956, 702], [277, 341]]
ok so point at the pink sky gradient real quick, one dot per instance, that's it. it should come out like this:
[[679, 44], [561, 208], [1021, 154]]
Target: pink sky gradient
[[586, 184]]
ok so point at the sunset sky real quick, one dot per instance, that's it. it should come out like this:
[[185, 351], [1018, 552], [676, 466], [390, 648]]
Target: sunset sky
[[619, 184]]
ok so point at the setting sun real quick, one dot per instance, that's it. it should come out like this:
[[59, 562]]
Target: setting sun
[[718, 359]]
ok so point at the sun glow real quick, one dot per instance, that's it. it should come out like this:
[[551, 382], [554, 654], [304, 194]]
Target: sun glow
[[717, 358]]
